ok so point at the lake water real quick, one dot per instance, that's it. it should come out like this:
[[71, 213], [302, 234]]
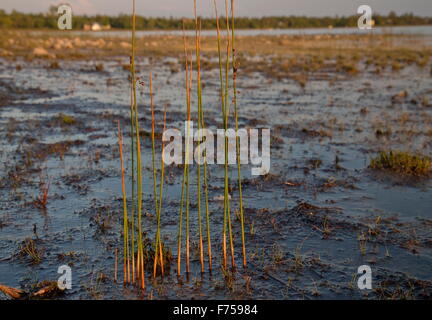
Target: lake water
[[414, 30], [410, 30]]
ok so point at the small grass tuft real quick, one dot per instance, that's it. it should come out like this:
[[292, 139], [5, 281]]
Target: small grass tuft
[[29, 249], [42, 200], [66, 120]]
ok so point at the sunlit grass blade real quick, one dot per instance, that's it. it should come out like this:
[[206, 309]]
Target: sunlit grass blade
[[222, 97], [126, 264], [156, 205], [197, 51], [209, 242], [132, 133], [234, 75], [185, 183], [158, 243], [188, 138], [140, 258], [161, 188], [227, 201], [180, 229]]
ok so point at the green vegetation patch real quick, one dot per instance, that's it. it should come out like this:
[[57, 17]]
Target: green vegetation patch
[[403, 163], [67, 120]]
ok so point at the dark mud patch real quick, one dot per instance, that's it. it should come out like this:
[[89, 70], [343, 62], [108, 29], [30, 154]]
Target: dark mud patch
[[10, 93]]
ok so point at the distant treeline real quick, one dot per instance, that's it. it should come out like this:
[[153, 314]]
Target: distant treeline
[[49, 20]]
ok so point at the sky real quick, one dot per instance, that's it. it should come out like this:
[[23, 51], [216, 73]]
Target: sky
[[252, 8]]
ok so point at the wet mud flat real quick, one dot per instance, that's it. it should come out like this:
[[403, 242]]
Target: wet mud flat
[[319, 214]]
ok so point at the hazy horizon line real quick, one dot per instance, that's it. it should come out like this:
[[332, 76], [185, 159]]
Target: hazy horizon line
[[221, 15]]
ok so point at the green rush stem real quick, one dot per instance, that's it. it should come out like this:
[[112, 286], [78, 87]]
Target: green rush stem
[[209, 243], [197, 35], [209, 248], [157, 239], [180, 231], [138, 153], [139, 204], [225, 125], [179, 236], [201, 113], [132, 116], [158, 248], [161, 186], [126, 273], [234, 63], [220, 63], [226, 200], [188, 83], [153, 144], [187, 174]]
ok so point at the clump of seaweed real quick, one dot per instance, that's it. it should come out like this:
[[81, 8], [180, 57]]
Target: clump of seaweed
[[402, 163]]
